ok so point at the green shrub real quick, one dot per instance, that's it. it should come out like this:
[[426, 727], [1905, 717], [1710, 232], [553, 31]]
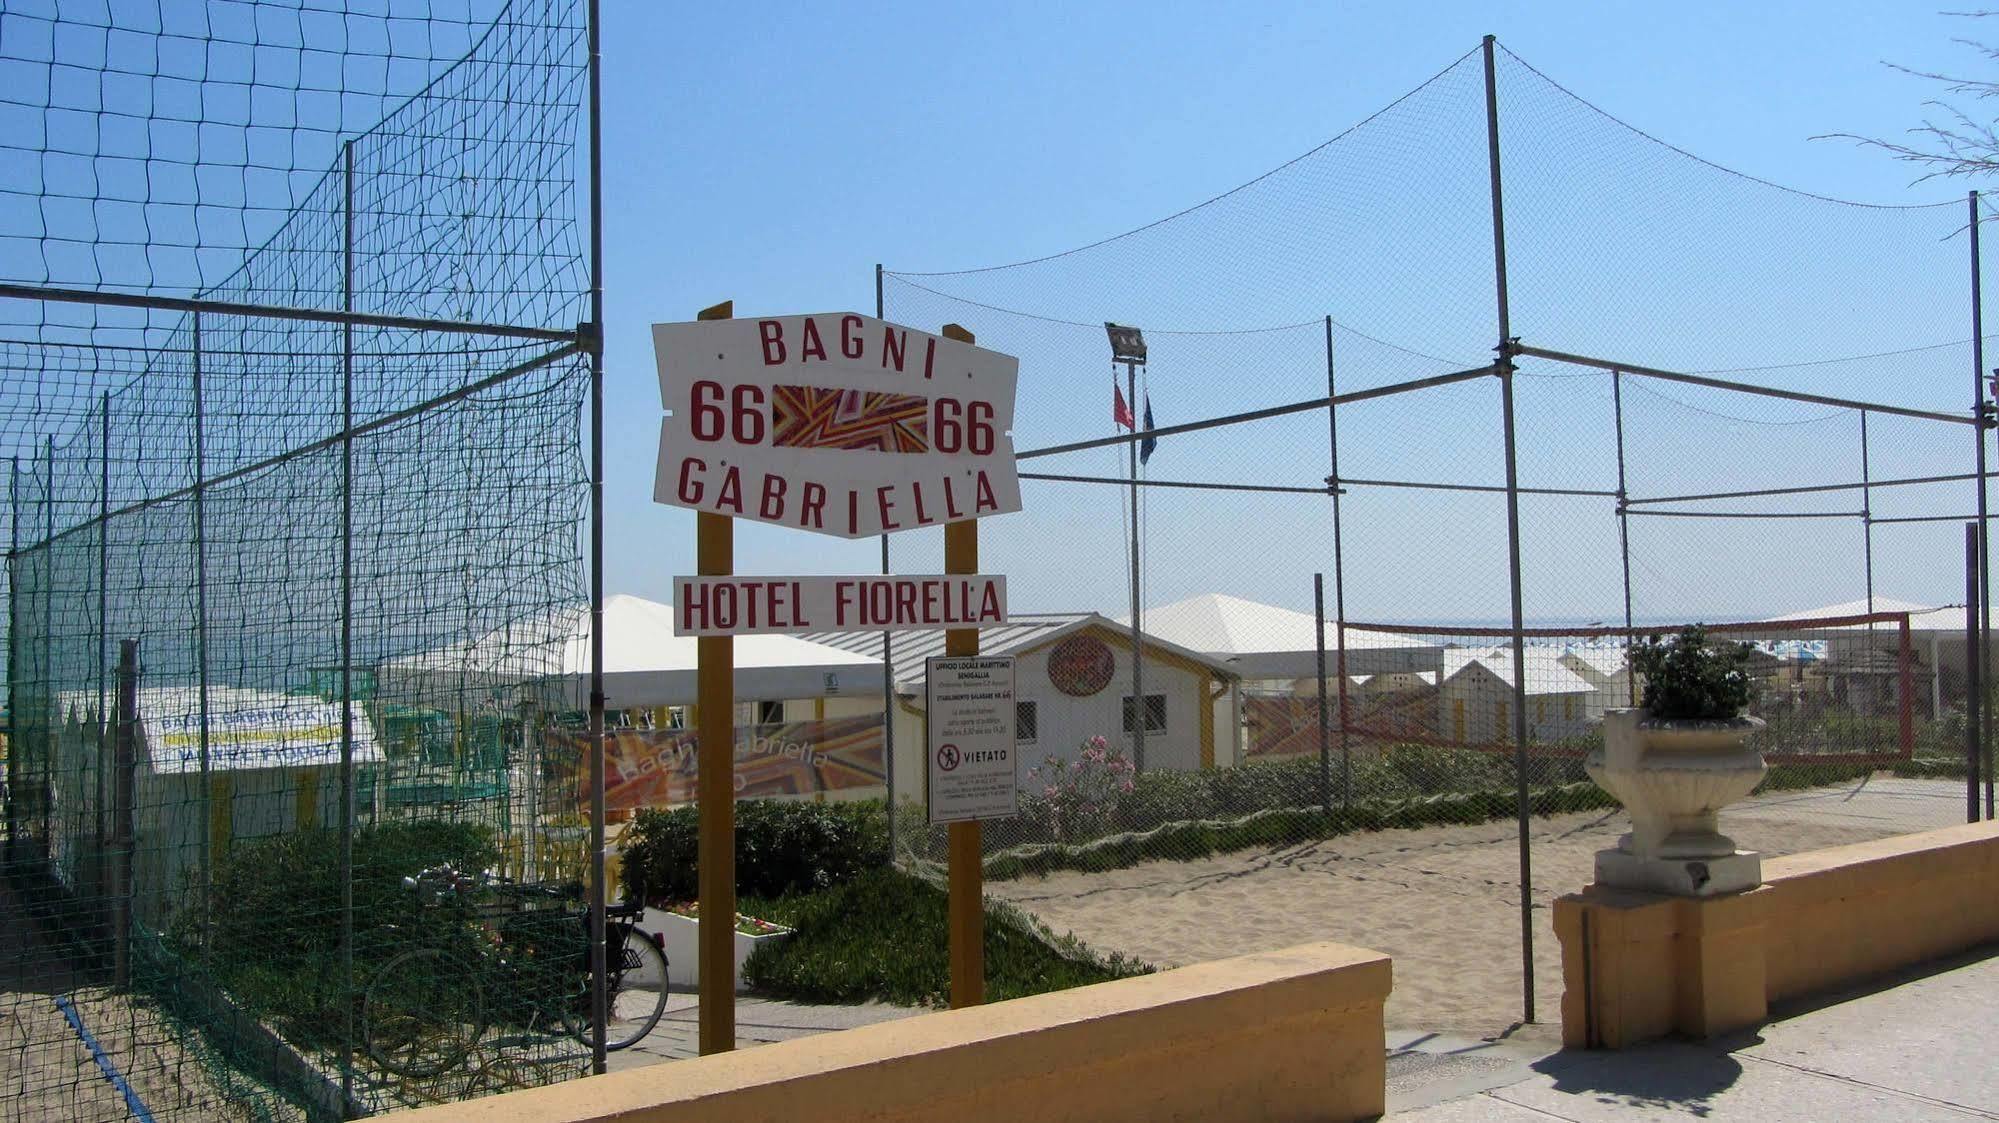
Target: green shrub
[[1690, 679], [272, 936], [781, 847], [883, 936]]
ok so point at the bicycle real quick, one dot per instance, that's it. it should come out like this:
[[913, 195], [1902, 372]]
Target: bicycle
[[426, 1009]]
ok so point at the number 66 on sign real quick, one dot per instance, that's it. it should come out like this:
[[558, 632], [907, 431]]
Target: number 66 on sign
[[838, 423]]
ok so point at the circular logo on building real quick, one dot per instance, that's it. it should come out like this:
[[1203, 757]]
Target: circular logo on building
[[1081, 666], [947, 757]]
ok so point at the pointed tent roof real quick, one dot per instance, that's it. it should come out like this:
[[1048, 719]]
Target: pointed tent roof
[[1265, 641], [1023, 631]]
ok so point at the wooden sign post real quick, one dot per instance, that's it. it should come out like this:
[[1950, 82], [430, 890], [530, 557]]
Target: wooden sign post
[[967, 863], [715, 732]]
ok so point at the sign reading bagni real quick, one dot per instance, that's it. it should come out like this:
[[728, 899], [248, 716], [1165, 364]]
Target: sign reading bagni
[[734, 606], [836, 423]]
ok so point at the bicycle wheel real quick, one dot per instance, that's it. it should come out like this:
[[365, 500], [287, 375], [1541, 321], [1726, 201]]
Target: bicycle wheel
[[635, 994], [422, 1013]]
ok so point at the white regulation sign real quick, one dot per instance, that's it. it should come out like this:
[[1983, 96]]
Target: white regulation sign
[[969, 755], [837, 423], [741, 606]]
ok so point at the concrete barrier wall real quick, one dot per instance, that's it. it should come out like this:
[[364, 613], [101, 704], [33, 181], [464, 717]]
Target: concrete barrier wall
[[1284, 1035], [1842, 915], [1638, 966]]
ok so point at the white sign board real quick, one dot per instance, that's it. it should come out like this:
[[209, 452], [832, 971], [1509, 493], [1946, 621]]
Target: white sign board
[[247, 729], [741, 606], [969, 770], [836, 423]]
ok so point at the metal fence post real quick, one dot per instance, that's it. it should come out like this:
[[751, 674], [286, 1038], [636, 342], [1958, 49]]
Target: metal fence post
[[45, 721], [1503, 366], [1867, 515], [1981, 639], [1319, 646], [1339, 573], [16, 762], [1623, 529], [1972, 686], [201, 634], [599, 1015], [125, 756], [347, 622], [104, 724]]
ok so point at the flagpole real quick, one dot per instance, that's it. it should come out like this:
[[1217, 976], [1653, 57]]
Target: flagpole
[[1137, 653]]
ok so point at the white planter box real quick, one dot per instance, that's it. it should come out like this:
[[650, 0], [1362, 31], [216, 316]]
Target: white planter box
[[683, 949]]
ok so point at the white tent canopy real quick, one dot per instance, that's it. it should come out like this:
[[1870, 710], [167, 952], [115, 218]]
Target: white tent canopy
[[1262, 641], [645, 664], [1948, 619]]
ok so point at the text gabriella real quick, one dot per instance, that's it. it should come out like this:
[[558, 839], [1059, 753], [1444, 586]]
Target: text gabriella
[[811, 505]]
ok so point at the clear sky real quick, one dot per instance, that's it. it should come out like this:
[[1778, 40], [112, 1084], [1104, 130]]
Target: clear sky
[[773, 154]]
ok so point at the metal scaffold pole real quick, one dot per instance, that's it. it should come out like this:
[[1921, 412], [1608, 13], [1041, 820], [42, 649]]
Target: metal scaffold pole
[[1504, 368]]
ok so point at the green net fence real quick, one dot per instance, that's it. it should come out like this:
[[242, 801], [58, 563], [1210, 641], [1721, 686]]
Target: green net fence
[[291, 382]]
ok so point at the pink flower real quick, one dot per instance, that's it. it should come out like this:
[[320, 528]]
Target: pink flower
[[1048, 792], [1126, 786]]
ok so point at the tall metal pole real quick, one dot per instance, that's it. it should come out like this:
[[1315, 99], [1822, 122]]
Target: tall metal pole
[[1504, 368], [1325, 724], [106, 733], [347, 620], [599, 892], [1973, 613], [201, 625], [1137, 653], [46, 677], [16, 760], [1623, 532], [888, 655], [1339, 574], [1867, 514], [124, 754], [1983, 639]]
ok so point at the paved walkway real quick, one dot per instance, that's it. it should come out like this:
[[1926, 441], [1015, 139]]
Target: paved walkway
[[1919, 1050], [759, 1021]]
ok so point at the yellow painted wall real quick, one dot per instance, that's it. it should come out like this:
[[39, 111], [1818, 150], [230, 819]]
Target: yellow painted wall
[[1638, 966], [1284, 1035]]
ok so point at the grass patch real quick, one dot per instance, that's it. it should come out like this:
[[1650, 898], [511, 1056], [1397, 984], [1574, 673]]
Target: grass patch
[[883, 936]]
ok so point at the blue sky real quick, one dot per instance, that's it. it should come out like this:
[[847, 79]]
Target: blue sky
[[772, 157]]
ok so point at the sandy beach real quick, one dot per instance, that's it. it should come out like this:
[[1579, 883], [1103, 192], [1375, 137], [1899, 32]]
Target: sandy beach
[[1444, 901]]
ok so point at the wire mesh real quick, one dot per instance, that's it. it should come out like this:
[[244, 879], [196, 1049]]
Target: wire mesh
[[1399, 783], [292, 595]]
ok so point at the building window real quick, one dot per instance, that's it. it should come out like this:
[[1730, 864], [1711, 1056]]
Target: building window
[[770, 713], [1155, 713], [1023, 723]]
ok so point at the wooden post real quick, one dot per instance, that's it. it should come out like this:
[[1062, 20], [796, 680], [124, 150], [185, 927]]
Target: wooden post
[[967, 910], [715, 733]]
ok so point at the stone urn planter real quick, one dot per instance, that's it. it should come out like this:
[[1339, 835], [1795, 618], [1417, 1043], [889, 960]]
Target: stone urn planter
[[1675, 773], [1674, 777]]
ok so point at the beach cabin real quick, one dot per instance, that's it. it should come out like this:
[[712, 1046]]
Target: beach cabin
[[257, 763], [1072, 681], [1475, 702], [1608, 672]]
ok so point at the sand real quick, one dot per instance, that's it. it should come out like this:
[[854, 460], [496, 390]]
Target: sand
[[1444, 901]]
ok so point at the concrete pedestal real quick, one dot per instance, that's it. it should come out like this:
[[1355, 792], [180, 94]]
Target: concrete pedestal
[[1638, 966], [1703, 877]]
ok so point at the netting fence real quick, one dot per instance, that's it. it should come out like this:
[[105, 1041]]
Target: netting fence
[[292, 386], [1390, 582]]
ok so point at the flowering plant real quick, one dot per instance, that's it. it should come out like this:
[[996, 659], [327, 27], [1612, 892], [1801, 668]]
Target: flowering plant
[[1082, 795], [747, 925]]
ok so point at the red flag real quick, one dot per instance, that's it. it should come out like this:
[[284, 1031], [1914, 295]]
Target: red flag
[[1120, 412]]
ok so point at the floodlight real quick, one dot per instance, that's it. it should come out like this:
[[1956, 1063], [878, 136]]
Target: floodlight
[[1127, 344]]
